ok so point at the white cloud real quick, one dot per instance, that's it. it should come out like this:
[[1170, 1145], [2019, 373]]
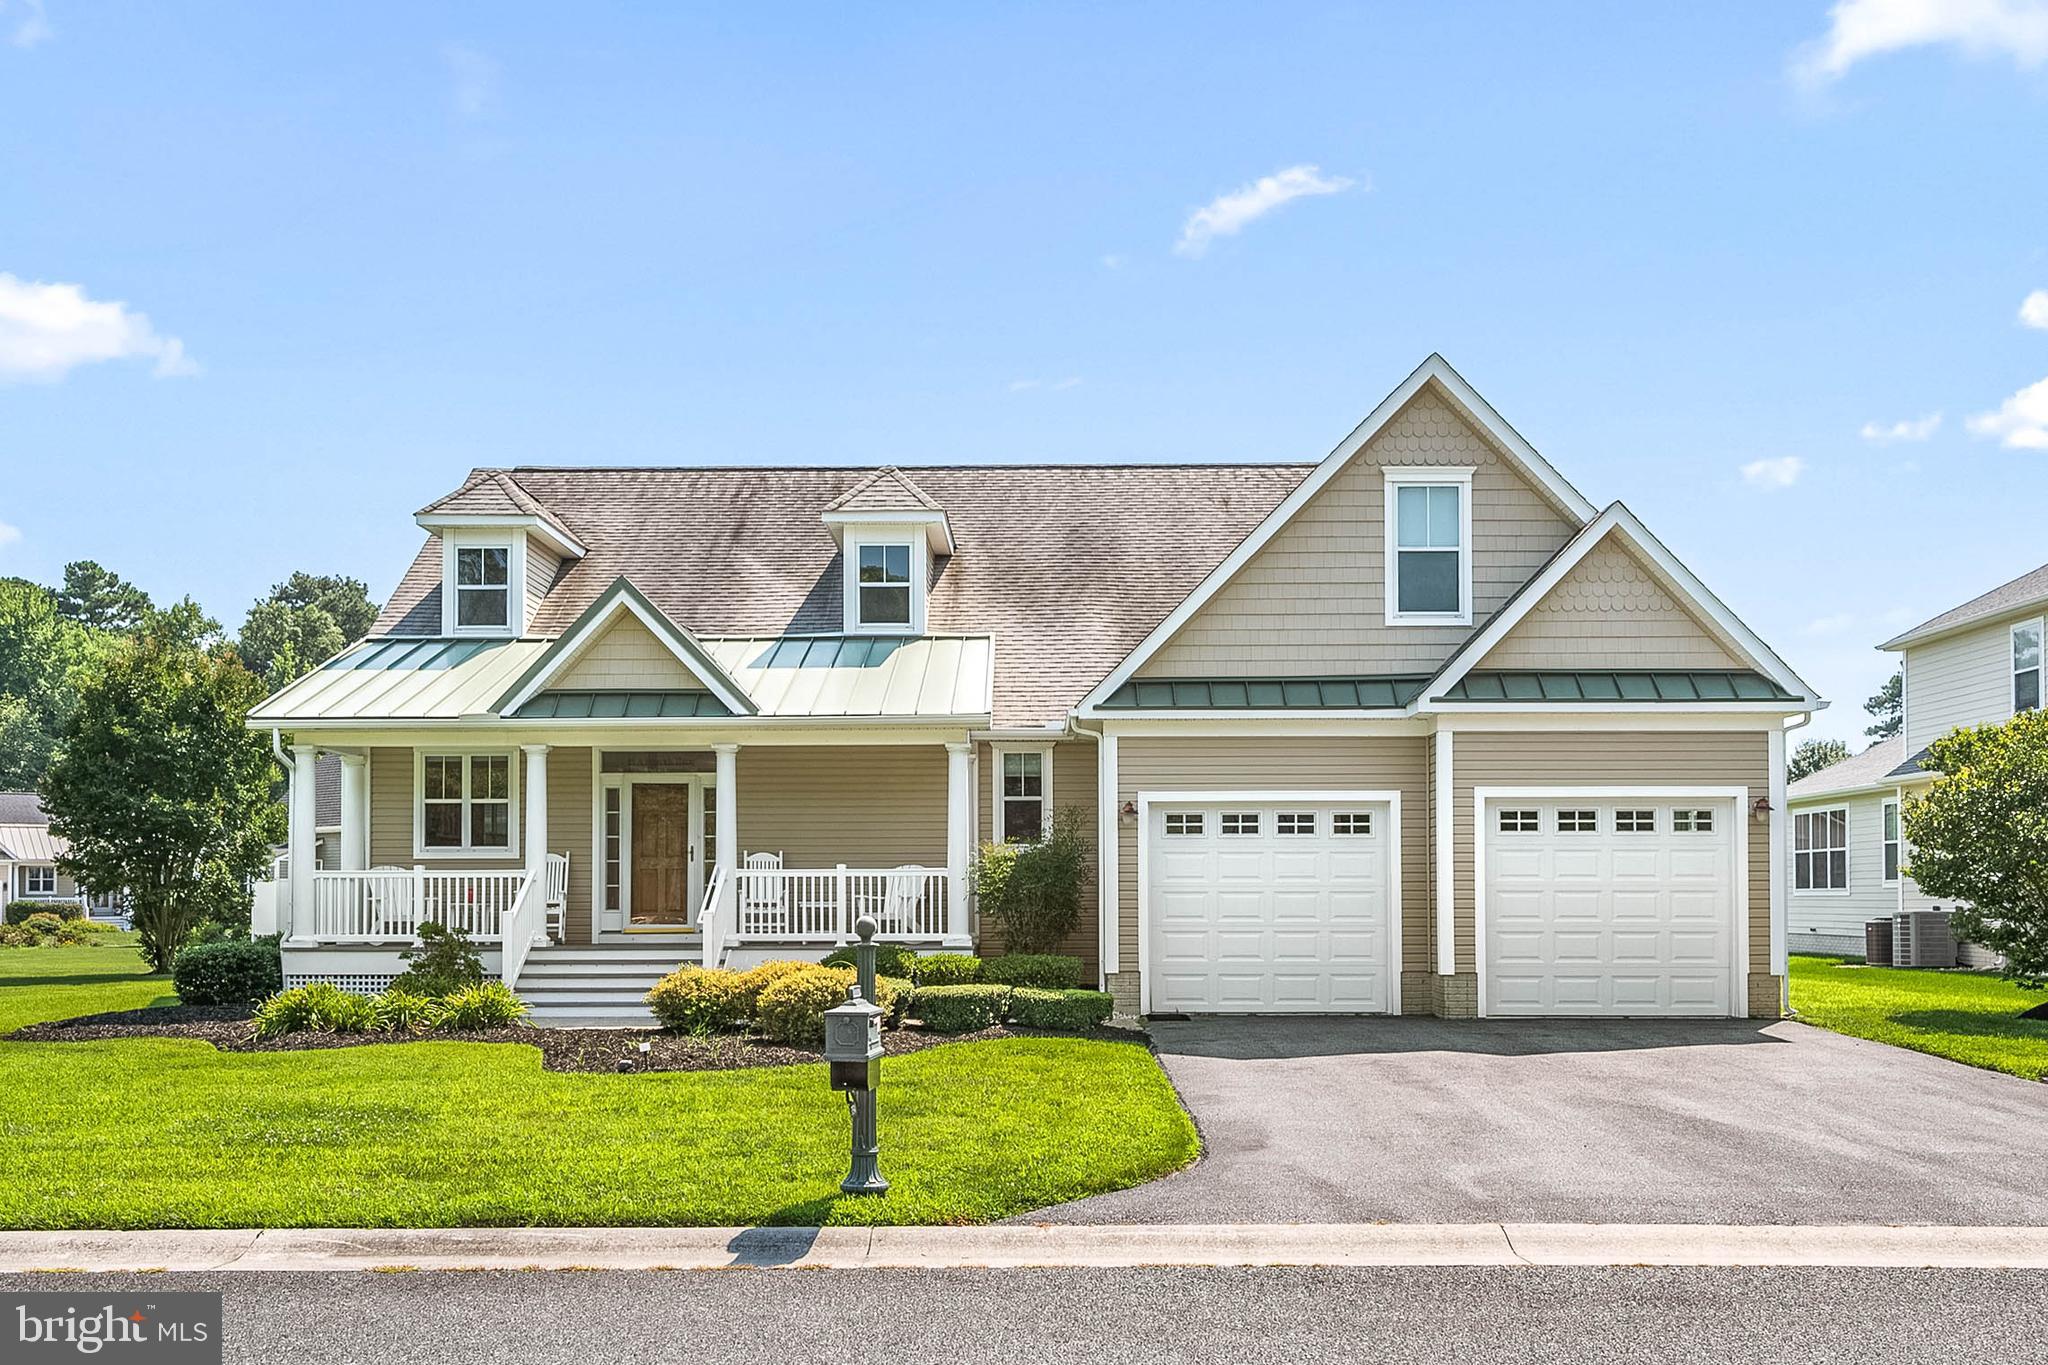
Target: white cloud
[[9, 534], [2021, 422], [1870, 28], [1227, 214], [47, 330], [1831, 625], [473, 77], [1782, 472], [27, 24], [2034, 310], [1910, 429]]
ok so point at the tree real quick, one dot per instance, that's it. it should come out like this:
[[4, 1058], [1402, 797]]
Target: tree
[[160, 789], [1980, 837], [1888, 706], [101, 599], [306, 618], [43, 657], [1031, 893], [1813, 755]]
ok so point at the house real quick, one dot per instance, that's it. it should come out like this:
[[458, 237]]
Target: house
[[1976, 664], [1416, 728], [28, 858]]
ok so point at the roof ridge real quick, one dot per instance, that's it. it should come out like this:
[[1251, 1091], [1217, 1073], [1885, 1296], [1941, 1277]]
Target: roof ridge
[[891, 474], [922, 468]]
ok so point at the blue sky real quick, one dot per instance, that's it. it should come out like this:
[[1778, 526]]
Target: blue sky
[[271, 277]]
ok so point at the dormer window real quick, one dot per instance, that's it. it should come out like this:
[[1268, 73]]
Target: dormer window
[[1429, 545], [884, 586], [483, 587]]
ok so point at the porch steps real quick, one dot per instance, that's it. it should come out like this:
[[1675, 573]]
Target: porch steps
[[601, 984]]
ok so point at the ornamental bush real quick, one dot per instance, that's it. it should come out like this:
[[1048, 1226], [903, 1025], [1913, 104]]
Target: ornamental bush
[[1032, 892], [699, 1000], [19, 911], [474, 1008], [948, 969], [316, 1005], [1040, 971], [1067, 1011], [228, 972], [894, 997], [792, 1006], [403, 1012], [759, 978], [445, 962], [891, 959], [960, 1009]]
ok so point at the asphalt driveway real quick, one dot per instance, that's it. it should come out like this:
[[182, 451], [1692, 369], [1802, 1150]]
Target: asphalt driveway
[[1711, 1121]]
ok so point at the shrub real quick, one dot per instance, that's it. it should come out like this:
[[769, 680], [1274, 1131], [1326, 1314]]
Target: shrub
[[1068, 1011], [792, 1006], [228, 972], [1032, 892], [474, 1008], [19, 911], [445, 962], [893, 995], [960, 1009], [697, 1000], [316, 1005], [1041, 971], [948, 969], [891, 959], [757, 979], [400, 1011]]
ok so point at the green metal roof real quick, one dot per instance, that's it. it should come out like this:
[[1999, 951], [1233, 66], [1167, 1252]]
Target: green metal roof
[[1604, 685], [1265, 694], [582, 705]]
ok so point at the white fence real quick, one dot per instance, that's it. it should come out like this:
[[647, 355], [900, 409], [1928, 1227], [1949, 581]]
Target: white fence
[[389, 904], [821, 905]]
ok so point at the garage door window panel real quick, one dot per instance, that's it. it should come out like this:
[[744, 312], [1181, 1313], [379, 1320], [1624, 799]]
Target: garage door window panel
[[1351, 824], [1635, 821], [1578, 821]]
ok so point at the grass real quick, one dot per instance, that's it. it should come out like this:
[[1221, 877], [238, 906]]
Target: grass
[[1963, 1016], [171, 1133]]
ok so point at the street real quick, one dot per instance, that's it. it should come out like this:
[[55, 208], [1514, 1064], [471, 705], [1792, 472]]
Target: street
[[1245, 1316]]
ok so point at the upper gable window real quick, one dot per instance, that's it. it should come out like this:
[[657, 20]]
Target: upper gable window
[[2026, 666], [1429, 546], [483, 587], [884, 585]]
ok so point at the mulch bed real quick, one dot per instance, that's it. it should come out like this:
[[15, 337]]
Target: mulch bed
[[561, 1049]]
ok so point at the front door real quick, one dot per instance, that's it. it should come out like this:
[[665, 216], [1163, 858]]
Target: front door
[[661, 856]]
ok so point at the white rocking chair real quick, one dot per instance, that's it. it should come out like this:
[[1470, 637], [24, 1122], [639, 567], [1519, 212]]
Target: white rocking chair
[[764, 900]]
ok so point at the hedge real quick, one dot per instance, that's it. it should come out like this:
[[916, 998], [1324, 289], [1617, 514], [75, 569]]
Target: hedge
[[1041, 971], [19, 911], [891, 959], [228, 972], [960, 1009], [948, 969], [1067, 1011]]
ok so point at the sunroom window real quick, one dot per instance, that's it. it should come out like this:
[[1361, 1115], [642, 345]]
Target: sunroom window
[[483, 586], [884, 585]]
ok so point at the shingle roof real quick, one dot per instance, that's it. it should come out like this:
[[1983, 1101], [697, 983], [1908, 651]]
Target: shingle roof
[[496, 492], [1867, 769], [1067, 566], [22, 808], [888, 489], [2024, 591]]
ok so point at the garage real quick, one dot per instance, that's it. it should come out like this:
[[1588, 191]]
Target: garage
[[1611, 905], [1271, 904]]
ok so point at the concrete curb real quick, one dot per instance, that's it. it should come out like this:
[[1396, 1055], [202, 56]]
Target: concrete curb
[[1305, 1244]]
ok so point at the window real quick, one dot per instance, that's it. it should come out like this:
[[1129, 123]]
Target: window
[[1692, 821], [1891, 842], [2026, 666], [1635, 822], [39, 881], [1518, 822], [1184, 822], [1295, 822], [483, 591], [1429, 530], [1351, 822], [1820, 850], [1021, 801], [884, 586], [1241, 822], [1578, 821], [614, 833], [465, 802]]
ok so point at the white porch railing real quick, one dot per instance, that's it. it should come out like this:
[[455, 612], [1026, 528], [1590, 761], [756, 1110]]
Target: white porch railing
[[821, 905], [389, 904], [523, 927], [714, 917]]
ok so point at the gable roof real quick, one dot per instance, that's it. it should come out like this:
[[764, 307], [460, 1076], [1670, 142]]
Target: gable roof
[[623, 598], [888, 488], [1434, 372], [2028, 590], [490, 495]]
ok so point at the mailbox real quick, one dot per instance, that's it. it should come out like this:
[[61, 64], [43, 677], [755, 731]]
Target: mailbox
[[853, 1042]]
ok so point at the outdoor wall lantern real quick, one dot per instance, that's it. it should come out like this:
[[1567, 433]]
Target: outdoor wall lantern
[[853, 1053], [1760, 809]]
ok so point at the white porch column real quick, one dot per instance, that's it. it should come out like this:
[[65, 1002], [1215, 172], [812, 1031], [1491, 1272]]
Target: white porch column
[[536, 780], [300, 838], [355, 811], [959, 841], [1446, 898], [726, 817]]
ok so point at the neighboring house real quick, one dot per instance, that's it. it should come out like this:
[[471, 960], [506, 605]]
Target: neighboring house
[[28, 857], [1416, 729], [1978, 663]]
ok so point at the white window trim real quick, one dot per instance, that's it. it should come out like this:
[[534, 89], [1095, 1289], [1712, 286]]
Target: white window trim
[[32, 869], [920, 577], [1792, 852], [995, 787], [513, 541], [513, 850], [2039, 670], [1404, 476], [1897, 839]]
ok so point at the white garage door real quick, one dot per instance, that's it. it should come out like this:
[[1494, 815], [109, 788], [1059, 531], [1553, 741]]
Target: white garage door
[[1269, 907], [1616, 907]]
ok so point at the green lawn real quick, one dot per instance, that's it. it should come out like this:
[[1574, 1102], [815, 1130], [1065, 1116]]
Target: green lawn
[[163, 1133], [1959, 1015]]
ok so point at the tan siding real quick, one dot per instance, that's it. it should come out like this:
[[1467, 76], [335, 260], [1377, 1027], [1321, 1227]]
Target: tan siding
[[865, 806], [1073, 785], [1557, 758], [391, 816], [1313, 599], [1965, 679], [542, 564], [1610, 611], [569, 832], [626, 655], [1379, 763]]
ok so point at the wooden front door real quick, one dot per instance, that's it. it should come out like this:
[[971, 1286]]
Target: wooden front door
[[661, 855]]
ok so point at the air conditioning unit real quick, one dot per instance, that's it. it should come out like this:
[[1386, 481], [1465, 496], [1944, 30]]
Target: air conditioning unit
[[1877, 943], [1922, 938]]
